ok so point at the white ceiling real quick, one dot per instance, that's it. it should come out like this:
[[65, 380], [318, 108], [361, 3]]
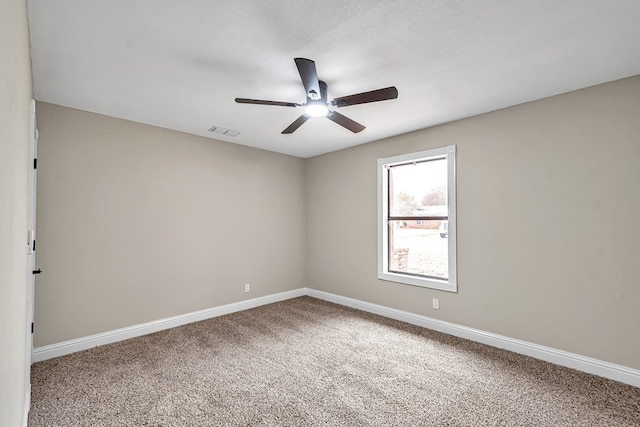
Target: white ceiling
[[180, 64]]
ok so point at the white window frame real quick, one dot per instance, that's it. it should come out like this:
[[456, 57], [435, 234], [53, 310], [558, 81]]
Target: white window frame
[[448, 153]]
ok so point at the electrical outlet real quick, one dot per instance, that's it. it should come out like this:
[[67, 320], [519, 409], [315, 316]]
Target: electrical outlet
[[436, 304], [247, 287]]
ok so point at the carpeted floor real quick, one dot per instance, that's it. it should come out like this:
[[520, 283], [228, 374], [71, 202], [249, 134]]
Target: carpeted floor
[[307, 362]]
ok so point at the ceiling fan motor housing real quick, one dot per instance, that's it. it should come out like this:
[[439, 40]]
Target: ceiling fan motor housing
[[317, 106]]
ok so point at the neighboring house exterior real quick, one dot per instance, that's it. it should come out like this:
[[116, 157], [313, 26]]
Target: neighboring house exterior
[[427, 211]]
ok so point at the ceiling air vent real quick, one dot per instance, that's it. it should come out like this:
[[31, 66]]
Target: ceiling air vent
[[223, 131]]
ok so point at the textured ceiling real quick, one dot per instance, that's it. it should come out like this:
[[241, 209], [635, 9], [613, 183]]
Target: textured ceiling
[[180, 64]]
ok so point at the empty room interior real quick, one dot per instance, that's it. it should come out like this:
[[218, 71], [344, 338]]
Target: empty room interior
[[183, 177]]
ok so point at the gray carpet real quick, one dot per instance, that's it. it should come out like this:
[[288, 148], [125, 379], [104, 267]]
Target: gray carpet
[[306, 362]]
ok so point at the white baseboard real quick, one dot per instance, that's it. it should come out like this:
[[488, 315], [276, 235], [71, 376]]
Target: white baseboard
[[84, 343], [570, 360]]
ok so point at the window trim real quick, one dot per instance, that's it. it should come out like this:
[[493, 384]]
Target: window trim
[[450, 285]]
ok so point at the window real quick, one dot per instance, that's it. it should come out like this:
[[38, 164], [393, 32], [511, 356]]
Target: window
[[417, 219]]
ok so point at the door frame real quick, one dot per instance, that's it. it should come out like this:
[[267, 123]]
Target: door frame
[[31, 238]]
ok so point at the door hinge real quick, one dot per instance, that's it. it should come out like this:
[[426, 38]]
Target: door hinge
[[35, 163], [31, 327]]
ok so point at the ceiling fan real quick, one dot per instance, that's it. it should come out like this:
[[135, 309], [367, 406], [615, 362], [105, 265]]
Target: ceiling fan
[[317, 104]]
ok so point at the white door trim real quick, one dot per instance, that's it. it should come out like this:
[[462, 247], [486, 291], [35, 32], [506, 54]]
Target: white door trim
[[31, 255], [31, 237]]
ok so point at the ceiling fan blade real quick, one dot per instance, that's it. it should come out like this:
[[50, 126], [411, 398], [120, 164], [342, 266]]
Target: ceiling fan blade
[[263, 102], [309, 76], [296, 124], [365, 97], [345, 122]]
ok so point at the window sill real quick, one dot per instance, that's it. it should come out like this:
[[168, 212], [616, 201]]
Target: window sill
[[441, 285]]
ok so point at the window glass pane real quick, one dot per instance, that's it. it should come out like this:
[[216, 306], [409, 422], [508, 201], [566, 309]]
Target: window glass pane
[[418, 189], [419, 247]]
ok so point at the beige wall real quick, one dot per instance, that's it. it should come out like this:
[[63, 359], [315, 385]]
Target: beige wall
[[15, 96], [548, 222], [138, 223]]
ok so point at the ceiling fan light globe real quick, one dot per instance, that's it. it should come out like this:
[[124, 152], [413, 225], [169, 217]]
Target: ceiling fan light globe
[[317, 109]]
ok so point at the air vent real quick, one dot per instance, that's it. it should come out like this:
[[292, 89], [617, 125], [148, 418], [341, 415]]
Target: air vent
[[223, 131]]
